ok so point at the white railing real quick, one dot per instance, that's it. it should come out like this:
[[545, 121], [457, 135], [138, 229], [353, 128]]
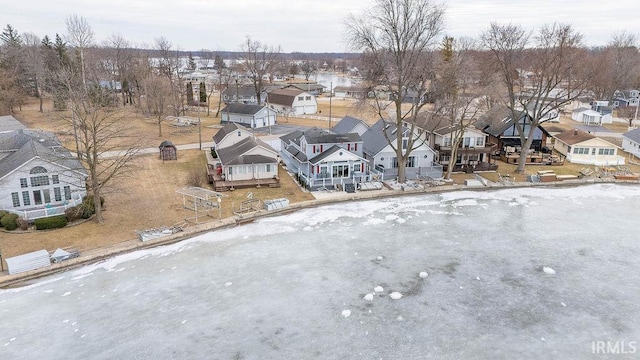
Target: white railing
[[46, 211]]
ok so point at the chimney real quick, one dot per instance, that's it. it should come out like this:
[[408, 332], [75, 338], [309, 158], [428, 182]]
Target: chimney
[[575, 131]]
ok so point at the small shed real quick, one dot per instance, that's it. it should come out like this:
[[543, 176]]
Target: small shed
[[168, 151]]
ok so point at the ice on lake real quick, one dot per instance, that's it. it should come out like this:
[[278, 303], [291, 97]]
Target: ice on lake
[[270, 290]]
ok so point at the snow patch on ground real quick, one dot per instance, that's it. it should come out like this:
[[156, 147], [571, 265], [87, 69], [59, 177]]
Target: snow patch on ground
[[346, 313], [548, 270], [395, 295], [423, 274], [378, 289], [368, 297]]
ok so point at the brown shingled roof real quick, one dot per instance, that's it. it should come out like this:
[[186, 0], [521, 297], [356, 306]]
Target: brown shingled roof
[[572, 137], [283, 96]]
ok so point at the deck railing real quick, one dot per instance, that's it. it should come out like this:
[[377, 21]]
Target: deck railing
[[47, 210]]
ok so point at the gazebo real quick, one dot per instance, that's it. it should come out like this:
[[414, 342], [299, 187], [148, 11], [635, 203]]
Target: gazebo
[[168, 151]]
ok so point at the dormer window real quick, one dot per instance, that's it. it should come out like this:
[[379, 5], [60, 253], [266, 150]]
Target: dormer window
[[239, 133]]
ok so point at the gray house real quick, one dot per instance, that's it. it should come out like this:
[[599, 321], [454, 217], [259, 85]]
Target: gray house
[[38, 176], [323, 159], [382, 156], [350, 124]]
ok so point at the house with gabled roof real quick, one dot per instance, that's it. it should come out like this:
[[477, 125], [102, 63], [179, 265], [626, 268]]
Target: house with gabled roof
[[381, 155], [315, 89], [38, 176], [503, 131], [320, 158], [253, 116], [230, 134], [580, 147], [473, 153], [631, 142], [292, 101], [350, 124], [242, 93], [239, 159]]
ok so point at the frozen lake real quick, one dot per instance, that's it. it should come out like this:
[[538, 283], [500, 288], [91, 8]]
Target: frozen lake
[[316, 284]]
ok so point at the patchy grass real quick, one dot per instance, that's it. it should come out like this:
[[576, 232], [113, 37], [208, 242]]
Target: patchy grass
[[145, 200]]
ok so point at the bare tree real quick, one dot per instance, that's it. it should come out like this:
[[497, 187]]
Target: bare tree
[[169, 63], [158, 97], [80, 36], [104, 143], [537, 80], [397, 36], [258, 60], [307, 68], [455, 104]]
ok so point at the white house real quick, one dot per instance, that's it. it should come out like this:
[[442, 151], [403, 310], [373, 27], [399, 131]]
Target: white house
[[353, 92], [382, 156], [248, 159], [292, 101], [323, 159], [583, 148], [631, 142], [38, 177], [253, 116], [230, 134], [591, 117]]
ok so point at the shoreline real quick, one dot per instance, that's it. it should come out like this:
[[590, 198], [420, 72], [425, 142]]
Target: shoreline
[[101, 254]]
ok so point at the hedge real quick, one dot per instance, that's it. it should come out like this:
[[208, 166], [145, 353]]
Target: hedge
[[8, 221], [53, 222]]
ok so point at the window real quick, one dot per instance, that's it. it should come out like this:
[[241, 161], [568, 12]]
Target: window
[[37, 197], [57, 195], [606, 151], [405, 143], [411, 162], [25, 198], [55, 179], [324, 173], [446, 141], [38, 170], [67, 192], [356, 168], [300, 98], [23, 183], [308, 98], [581, 151], [445, 158], [340, 171], [593, 151], [39, 180], [16, 199], [467, 142], [268, 167], [47, 195], [479, 142]]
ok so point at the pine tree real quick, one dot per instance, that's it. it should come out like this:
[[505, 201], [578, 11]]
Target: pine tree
[[189, 93], [192, 62], [203, 93]]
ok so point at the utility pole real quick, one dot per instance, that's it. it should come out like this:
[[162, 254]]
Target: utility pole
[[199, 121], [330, 97]]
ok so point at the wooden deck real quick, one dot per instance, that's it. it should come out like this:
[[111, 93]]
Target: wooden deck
[[223, 185]]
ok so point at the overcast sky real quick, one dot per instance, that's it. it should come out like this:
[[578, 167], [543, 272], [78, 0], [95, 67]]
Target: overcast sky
[[297, 25]]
